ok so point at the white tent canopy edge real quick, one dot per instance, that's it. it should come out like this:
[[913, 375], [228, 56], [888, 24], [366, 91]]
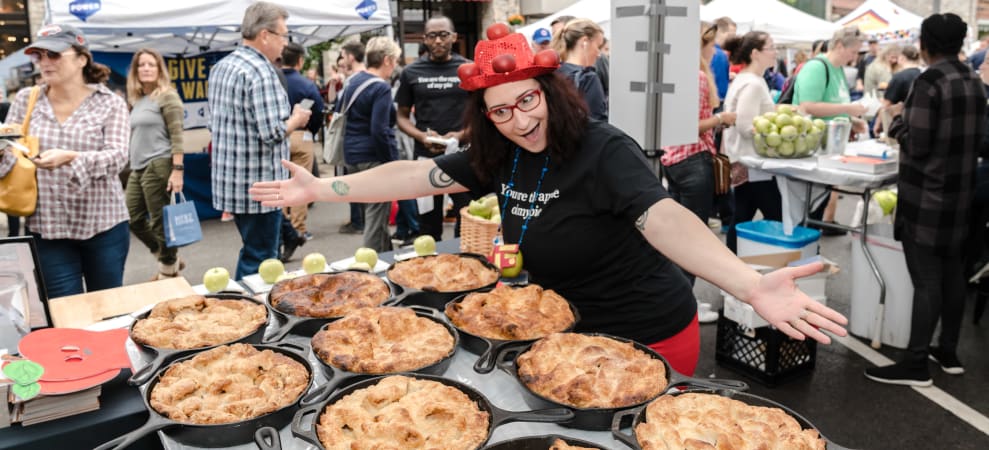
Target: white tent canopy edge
[[191, 27]]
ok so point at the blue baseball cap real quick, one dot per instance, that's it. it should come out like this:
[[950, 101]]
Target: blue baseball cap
[[541, 36]]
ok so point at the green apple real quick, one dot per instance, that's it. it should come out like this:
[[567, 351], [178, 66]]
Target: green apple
[[270, 269], [490, 201], [424, 245], [886, 200], [479, 209], [367, 256], [216, 279], [314, 263], [784, 109], [786, 149], [760, 144], [783, 120], [770, 116], [514, 270], [762, 124], [788, 133], [800, 146], [773, 139], [360, 266], [820, 124]]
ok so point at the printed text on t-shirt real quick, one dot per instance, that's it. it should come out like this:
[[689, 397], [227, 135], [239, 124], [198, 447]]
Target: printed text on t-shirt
[[439, 82], [521, 209]]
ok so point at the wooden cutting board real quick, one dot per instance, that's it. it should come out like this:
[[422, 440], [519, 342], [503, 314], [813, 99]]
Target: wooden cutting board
[[78, 311]]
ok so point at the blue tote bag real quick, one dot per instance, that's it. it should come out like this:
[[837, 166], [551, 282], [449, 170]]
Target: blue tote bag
[[181, 223]]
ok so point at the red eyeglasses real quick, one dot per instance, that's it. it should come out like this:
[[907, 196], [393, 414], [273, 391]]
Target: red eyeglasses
[[501, 114]]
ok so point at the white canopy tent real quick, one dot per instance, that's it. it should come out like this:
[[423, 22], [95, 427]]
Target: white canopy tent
[[597, 10], [885, 21], [191, 27], [787, 25]]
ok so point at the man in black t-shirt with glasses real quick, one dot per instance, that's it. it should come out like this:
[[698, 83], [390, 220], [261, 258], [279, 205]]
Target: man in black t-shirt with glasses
[[430, 85]]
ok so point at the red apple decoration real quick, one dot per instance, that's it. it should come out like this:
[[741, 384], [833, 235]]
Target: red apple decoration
[[546, 58], [498, 31], [468, 71], [503, 63]]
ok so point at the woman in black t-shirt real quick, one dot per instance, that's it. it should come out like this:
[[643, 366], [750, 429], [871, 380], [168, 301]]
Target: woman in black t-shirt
[[582, 203]]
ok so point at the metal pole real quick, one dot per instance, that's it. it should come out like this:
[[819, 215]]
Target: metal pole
[[936, 4]]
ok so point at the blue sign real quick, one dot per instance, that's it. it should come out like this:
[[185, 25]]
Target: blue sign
[[84, 8], [367, 8]]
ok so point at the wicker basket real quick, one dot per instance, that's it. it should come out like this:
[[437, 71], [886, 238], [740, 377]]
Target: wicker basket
[[476, 234]]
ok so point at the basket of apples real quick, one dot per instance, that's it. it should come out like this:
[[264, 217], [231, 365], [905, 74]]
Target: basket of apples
[[784, 133], [479, 223]]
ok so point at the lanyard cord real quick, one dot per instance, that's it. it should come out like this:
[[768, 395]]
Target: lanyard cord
[[532, 202]]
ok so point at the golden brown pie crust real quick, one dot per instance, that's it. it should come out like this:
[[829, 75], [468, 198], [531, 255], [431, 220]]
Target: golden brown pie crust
[[401, 412], [508, 313], [442, 273], [228, 384], [708, 421], [383, 340], [560, 444], [328, 295], [197, 321], [591, 371]]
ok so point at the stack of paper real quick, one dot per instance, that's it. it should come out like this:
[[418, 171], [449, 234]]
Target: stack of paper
[[862, 164], [50, 407]]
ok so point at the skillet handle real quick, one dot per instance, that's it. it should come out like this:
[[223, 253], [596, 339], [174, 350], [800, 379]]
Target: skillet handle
[[267, 438], [281, 330], [301, 349], [553, 415], [154, 423], [432, 312], [300, 431], [617, 422], [144, 374], [321, 393], [398, 299], [711, 383], [502, 356]]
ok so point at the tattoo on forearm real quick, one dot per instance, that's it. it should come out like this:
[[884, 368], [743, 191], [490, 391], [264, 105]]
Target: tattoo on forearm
[[640, 223], [439, 179], [340, 188]]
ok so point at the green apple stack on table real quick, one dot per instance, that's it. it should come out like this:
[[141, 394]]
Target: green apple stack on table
[[485, 208], [784, 133]]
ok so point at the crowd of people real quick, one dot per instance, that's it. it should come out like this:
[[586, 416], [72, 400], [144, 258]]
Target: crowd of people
[[536, 135]]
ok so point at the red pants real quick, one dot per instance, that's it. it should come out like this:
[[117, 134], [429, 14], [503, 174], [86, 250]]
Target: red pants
[[683, 349]]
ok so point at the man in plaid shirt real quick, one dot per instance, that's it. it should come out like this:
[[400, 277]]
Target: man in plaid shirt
[[939, 130], [250, 124]]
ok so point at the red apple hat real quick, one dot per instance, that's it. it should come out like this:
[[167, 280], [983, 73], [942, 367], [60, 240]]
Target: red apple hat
[[503, 58]]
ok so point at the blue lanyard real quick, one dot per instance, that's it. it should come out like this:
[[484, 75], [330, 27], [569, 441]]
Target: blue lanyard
[[532, 202]]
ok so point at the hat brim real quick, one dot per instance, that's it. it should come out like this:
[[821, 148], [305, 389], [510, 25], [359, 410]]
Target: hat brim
[[49, 44], [486, 81], [542, 41]]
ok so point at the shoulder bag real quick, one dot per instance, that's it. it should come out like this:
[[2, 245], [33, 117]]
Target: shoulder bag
[[333, 147], [19, 188]]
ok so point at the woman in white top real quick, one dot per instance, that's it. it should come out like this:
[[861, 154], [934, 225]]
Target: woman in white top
[[748, 97]]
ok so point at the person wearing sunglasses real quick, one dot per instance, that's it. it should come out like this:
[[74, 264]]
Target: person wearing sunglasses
[[579, 198], [429, 86], [80, 223]]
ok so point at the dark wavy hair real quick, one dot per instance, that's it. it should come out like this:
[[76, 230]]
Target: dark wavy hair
[[566, 116], [94, 72], [740, 47]]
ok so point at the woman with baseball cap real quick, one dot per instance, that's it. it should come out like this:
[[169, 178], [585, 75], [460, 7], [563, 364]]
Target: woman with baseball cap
[[80, 224], [583, 205]]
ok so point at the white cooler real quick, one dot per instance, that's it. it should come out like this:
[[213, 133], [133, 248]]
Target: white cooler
[[888, 255], [763, 237]]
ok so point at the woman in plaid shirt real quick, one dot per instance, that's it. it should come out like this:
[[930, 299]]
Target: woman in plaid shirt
[[80, 224]]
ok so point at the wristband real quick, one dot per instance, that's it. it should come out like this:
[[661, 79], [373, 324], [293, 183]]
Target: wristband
[[718, 116], [178, 167]]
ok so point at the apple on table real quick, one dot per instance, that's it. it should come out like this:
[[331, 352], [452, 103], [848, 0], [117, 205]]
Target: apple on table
[[216, 279], [270, 269]]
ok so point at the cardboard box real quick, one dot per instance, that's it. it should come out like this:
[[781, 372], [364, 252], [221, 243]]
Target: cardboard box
[[814, 286]]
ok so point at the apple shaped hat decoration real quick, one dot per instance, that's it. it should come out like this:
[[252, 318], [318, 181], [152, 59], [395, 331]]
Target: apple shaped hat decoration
[[503, 58]]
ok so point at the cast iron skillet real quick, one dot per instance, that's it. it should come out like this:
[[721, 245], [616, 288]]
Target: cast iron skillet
[[163, 355], [540, 443], [599, 419], [488, 348], [436, 299], [638, 415], [338, 377], [267, 438], [305, 325], [218, 435], [497, 416]]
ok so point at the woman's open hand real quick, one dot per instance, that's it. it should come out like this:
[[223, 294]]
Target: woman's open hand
[[777, 299], [300, 189]]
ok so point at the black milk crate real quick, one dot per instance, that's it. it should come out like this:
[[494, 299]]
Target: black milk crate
[[764, 353]]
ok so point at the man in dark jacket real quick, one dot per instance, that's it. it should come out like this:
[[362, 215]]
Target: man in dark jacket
[[940, 131]]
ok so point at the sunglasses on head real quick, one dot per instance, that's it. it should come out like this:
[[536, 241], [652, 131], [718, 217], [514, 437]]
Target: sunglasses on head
[[37, 53], [710, 32]]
